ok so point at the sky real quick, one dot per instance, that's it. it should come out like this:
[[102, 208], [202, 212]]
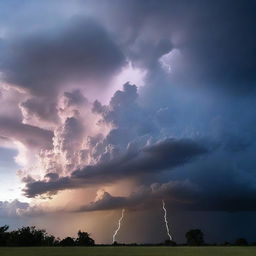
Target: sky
[[120, 104]]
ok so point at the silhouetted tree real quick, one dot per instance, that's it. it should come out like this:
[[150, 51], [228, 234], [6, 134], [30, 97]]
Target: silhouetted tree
[[84, 239], [4, 229], [241, 242], [4, 235], [50, 240], [26, 236], [30, 236], [68, 241], [195, 237]]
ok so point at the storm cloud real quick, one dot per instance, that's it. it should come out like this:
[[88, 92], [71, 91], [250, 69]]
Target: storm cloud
[[149, 160], [42, 62], [217, 192], [223, 180], [215, 39], [28, 135]]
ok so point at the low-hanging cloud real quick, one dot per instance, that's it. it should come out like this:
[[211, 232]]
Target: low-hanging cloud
[[212, 183], [149, 160], [181, 193]]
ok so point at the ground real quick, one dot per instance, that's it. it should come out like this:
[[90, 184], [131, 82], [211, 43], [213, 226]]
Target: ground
[[128, 251]]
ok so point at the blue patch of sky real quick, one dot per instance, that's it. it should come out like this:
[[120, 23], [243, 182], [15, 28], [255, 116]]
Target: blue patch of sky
[[10, 183]]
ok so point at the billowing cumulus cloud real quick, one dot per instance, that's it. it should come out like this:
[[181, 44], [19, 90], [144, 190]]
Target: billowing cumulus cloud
[[148, 160], [142, 153]]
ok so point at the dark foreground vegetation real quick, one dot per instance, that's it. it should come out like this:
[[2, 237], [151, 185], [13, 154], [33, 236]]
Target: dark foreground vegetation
[[32, 237]]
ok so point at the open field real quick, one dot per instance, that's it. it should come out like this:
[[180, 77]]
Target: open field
[[128, 251]]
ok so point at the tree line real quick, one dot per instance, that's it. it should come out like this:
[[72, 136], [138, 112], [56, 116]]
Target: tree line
[[30, 236]]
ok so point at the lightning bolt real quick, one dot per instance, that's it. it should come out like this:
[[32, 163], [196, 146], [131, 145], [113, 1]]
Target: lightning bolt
[[119, 225], [165, 220]]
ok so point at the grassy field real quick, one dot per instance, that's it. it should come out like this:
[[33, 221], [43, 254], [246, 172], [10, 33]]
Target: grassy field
[[129, 251]]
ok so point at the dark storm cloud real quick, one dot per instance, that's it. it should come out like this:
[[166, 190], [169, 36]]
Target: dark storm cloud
[[211, 184], [216, 39], [74, 97], [220, 44], [40, 108], [180, 195], [41, 62], [106, 202], [223, 180], [153, 159], [29, 135], [178, 192]]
